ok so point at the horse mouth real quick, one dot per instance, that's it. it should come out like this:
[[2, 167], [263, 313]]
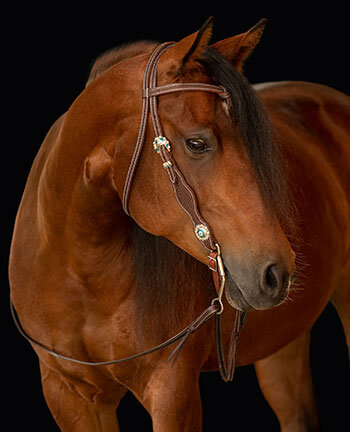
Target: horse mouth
[[234, 295]]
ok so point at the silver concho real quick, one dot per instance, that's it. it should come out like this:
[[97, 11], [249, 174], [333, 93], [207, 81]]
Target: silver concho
[[202, 232]]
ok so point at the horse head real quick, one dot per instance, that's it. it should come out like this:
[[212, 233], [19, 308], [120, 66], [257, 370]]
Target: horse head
[[226, 152]]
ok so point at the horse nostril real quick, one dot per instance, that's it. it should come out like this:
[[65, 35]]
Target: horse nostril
[[271, 280], [275, 280]]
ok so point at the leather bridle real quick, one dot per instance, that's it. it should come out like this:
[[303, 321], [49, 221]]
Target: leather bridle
[[183, 192], [186, 198]]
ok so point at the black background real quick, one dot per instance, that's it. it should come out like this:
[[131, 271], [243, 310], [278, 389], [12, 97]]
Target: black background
[[47, 55]]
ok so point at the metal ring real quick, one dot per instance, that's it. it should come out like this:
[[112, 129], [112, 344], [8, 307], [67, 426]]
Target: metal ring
[[217, 299]]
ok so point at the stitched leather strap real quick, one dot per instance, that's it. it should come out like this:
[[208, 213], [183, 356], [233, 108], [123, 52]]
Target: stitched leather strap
[[171, 88], [183, 335], [227, 367], [142, 130]]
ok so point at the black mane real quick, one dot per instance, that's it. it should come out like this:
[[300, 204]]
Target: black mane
[[167, 280], [256, 132]]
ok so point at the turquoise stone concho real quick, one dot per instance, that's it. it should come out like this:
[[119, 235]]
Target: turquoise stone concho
[[202, 232], [160, 141]]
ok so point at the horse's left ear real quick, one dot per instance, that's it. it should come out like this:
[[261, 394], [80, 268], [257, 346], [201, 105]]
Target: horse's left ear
[[183, 55], [238, 48]]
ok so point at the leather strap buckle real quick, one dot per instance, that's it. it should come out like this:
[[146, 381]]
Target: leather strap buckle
[[215, 261], [212, 263], [215, 264]]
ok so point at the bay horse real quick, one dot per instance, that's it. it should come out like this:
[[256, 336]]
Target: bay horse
[[270, 170]]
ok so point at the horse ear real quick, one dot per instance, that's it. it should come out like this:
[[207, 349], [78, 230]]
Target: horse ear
[[184, 53], [238, 48]]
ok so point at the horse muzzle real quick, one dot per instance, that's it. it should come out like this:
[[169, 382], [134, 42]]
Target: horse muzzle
[[258, 287]]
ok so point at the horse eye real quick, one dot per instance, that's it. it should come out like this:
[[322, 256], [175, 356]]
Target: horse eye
[[196, 145]]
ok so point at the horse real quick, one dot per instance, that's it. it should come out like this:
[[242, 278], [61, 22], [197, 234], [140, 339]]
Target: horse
[[95, 277]]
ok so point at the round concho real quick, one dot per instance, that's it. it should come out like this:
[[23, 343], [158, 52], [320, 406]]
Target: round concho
[[202, 232]]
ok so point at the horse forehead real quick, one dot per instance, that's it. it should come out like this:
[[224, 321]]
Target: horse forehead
[[197, 107]]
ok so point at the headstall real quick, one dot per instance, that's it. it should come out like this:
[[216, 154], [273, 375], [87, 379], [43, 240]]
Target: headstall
[[186, 198]]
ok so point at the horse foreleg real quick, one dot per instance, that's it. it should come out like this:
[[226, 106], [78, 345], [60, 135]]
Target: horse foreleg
[[285, 380], [77, 406], [172, 398]]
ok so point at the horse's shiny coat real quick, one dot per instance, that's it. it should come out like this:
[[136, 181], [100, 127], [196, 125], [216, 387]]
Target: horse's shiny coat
[[72, 270]]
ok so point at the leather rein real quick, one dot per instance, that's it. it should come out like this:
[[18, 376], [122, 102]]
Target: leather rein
[[186, 198]]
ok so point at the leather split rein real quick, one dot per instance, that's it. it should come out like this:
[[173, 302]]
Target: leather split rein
[[186, 198]]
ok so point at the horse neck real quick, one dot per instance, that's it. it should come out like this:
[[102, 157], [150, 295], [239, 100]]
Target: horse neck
[[97, 229], [80, 199], [79, 203]]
